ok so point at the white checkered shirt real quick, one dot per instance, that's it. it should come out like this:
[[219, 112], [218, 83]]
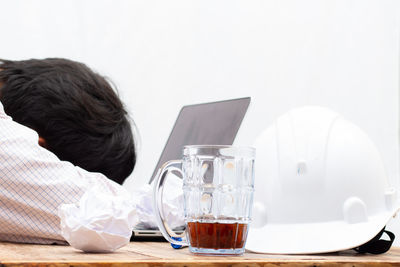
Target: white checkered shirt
[[34, 182]]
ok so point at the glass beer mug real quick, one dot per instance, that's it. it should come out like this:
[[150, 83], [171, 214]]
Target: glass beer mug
[[218, 186]]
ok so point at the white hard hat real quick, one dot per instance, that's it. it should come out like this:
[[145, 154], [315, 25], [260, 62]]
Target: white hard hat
[[320, 186]]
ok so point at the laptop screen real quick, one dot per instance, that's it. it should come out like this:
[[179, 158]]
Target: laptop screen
[[215, 123]]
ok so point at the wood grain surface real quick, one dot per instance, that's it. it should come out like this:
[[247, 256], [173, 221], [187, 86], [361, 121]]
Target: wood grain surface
[[161, 254]]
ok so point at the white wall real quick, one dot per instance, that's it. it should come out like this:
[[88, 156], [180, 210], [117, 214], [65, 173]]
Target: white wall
[[343, 54]]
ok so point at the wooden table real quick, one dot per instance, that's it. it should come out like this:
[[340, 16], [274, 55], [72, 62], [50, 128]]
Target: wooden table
[[161, 254]]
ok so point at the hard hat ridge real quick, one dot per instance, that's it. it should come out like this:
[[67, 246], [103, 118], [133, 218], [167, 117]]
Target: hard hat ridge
[[320, 185]]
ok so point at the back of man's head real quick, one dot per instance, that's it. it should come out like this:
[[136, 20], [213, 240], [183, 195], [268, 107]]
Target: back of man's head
[[74, 110]]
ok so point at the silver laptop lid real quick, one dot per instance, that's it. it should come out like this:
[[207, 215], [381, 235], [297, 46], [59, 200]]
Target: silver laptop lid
[[215, 123]]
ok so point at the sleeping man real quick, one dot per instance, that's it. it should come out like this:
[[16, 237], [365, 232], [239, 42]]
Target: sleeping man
[[63, 130]]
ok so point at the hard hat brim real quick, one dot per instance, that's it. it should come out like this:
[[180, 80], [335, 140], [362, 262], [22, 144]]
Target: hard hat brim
[[315, 238]]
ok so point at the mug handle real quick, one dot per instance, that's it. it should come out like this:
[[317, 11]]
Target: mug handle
[[169, 166]]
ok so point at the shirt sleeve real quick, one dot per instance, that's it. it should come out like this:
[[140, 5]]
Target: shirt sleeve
[[34, 183]]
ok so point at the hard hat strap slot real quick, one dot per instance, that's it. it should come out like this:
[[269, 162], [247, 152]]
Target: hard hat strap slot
[[377, 245]]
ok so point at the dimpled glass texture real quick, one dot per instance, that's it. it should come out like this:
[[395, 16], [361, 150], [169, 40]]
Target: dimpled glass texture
[[218, 189]]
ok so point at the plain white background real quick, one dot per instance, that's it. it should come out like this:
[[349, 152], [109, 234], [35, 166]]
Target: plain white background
[[342, 54]]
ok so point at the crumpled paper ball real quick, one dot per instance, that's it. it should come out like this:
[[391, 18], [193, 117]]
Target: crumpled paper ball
[[102, 222], [99, 222], [172, 204]]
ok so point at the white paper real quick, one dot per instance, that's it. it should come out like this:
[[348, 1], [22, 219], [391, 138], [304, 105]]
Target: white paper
[[172, 203], [103, 222], [99, 222]]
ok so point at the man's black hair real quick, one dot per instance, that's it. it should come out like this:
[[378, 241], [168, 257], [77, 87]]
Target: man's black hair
[[74, 109]]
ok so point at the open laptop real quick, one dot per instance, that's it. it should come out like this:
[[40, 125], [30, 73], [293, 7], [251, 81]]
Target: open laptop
[[215, 123]]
